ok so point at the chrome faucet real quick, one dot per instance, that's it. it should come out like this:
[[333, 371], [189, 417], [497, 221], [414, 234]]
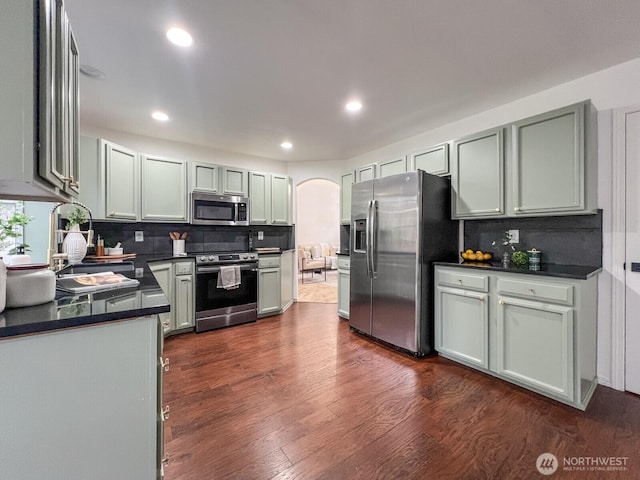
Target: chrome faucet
[[56, 259]]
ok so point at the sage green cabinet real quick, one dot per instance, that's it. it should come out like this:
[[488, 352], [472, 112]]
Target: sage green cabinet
[[477, 175], [433, 160], [270, 197], [205, 177], [177, 278], [344, 278], [39, 98], [366, 172], [391, 167], [536, 331], [121, 167], [234, 181], [269, 285], [163, 189], [287, 279], [346, 182], [553, 161]]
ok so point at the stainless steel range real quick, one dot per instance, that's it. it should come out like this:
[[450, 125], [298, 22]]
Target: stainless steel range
[[220, 303]]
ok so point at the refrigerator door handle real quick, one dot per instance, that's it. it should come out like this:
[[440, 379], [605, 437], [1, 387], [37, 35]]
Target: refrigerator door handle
[[374, 232], [367, 240]]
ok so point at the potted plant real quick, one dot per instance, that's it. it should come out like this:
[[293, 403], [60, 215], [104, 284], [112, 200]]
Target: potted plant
[[74, 243]]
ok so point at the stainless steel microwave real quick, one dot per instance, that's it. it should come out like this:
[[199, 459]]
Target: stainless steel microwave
[[210, 209]]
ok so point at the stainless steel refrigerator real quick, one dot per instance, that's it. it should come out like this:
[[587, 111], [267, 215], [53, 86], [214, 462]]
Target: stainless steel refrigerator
[[400, 225]]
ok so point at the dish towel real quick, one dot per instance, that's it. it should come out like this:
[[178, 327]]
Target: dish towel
[[229, 277]]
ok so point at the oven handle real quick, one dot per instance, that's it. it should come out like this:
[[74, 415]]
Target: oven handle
[[251, 268]]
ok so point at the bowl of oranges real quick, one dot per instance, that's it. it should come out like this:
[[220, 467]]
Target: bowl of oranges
[[478, 256]]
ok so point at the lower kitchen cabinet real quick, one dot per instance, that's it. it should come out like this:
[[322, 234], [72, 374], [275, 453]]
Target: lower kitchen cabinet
[[176, 278], [538, 332], [275, 283], [343, 285], [89, 397]]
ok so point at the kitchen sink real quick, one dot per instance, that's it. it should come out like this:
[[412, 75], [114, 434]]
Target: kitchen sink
[[95, 267]]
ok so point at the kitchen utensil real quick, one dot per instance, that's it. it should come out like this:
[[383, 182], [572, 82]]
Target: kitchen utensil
[[29, 285], [115, 250], [183, 236]]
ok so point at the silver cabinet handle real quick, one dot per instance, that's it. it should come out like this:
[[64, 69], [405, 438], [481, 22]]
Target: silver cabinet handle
[[517, 209], [501, 302], [497, 209], [165, 412], [164, 363]]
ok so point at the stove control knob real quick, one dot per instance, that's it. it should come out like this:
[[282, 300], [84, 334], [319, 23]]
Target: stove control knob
[[212, 258], [244, 257], [203, 258]]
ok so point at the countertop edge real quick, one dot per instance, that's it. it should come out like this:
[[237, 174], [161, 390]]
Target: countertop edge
[[569, 272]]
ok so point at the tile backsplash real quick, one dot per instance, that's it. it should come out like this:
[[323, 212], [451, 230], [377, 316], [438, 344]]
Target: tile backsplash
[[566, 240], [200, 238]]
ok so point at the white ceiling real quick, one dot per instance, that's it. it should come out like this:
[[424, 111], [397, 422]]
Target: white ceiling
[[262, 71]]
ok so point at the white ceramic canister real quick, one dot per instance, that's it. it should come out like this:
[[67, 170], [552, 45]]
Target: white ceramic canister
[[74, 245], [29, 285], [3, 285]]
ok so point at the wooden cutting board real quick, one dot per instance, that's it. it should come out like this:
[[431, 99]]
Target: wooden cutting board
[[124, 256]]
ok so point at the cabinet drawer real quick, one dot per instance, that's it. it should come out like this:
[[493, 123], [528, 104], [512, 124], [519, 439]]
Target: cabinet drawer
[[343, 262], [463, 280], [548, 292], [268, 262], [184, 268]]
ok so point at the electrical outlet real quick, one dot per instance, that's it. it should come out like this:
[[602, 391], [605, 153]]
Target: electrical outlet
[[260, 235], [139, 236], [139, 273], [515, 236]]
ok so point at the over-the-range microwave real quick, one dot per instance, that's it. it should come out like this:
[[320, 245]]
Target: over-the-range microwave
[[210, 209]]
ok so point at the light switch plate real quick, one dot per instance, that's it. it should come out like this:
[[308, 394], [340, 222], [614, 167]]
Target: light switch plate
[[515, 236], [139, 236], [260, 235]]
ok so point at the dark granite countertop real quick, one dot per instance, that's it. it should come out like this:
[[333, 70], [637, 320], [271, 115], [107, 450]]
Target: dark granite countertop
[[577, 272], [69, 310]]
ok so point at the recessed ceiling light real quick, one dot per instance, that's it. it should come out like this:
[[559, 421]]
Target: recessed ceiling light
[[353, 106], [160, 116], [180, 37], [287, 145]]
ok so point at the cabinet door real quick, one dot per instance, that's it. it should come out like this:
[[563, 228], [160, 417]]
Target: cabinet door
[[205, 178], [433, 160], [343, 293], [280, 200], [461, 325], [535, 345], [287, 278], [477, 175], [235, 181], [122, 179], [346, 181], [367, 172], [260, 197], [164, 189], [268, 290], [392, 167], [184, 299], [164, 276], [548, 162]]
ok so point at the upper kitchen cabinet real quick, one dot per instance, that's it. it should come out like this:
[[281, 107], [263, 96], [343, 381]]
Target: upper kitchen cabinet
[[433, 160], [553, 161], [163, 189], [391, 167], [121, 169], [346, 181], [477, 175], [366, 172], [235, 181], [39, 98], [205, 177], [270, 197]]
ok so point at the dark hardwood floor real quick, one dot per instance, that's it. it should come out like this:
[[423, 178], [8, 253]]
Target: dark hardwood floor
[[299, 396]]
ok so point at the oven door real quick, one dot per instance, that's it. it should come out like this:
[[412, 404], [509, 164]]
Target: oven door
[[211, 300]]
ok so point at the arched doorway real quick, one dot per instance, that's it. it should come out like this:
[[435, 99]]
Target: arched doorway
[[317, 238]]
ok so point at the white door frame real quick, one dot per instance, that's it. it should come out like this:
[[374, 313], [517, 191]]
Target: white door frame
[[618, 254]]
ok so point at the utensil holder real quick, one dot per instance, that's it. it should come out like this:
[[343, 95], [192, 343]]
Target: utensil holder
[[178, 247]]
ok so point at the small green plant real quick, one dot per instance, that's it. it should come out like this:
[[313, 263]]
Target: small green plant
[[77, 217], [520, 259]]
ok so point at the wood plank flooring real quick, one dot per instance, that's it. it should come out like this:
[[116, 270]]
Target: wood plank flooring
[[299, 396]]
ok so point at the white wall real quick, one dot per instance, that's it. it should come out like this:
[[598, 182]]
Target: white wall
[[608, 89], [317, 220], [184, 151]]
